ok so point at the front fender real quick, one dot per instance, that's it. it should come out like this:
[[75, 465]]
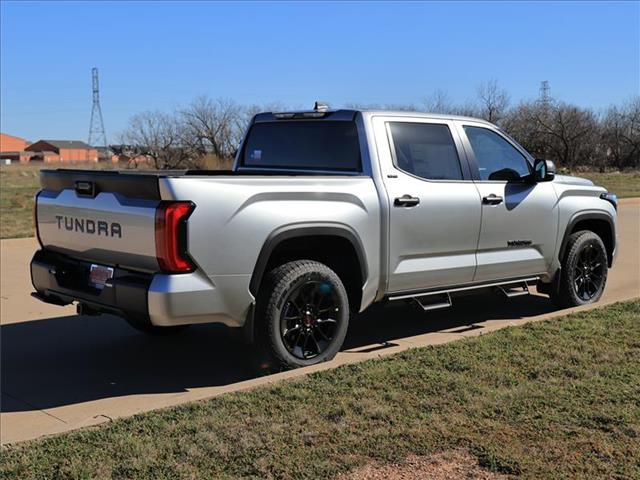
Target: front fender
[[589, 215]]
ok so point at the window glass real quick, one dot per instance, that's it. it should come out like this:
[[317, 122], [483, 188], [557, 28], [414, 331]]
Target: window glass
[[426, 150], [304, 144], [497, 159]]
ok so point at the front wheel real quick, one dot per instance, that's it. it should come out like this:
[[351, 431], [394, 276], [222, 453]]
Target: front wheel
[[584, 271], [303, 315]]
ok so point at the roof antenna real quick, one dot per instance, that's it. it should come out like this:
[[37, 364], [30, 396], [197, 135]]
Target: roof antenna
[[320, 107]]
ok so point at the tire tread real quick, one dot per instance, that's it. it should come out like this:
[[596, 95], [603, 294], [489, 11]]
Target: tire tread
[[276, 284], [565, 296]]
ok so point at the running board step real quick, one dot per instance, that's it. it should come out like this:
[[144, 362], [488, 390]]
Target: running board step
[[442, 298], [515, 290], [428, 303]]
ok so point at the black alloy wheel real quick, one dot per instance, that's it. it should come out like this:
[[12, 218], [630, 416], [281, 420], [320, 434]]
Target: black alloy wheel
[[310, 319], [588, 272], [583, 274], [302, 315]]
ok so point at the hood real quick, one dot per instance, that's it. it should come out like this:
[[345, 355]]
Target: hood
[[569, 180]]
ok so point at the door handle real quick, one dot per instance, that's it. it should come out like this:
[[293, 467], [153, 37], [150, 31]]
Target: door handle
[[492, 200], [406, 201]]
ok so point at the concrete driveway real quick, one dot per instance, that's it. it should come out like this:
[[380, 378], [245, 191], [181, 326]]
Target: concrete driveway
[[60, 371]]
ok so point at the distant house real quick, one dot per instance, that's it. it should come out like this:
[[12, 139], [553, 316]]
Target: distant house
[[9, 143], [18, 149], [62, 151], [13, 148]]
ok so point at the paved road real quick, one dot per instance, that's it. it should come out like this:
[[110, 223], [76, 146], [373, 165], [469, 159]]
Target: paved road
[[61, 371]]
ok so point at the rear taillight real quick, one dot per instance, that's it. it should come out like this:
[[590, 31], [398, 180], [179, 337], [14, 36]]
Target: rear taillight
[[171, 236], [35, 216]]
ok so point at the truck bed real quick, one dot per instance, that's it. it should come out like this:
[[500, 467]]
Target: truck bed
[[144, 183]]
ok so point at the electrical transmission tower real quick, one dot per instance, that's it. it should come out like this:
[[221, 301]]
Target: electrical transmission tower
[[545, 97], [97, 136]]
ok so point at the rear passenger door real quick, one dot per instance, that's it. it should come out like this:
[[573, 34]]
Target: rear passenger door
[[434, 206], [519, 217]]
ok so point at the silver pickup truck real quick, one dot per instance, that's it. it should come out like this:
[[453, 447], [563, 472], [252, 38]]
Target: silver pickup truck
[[324, 213]]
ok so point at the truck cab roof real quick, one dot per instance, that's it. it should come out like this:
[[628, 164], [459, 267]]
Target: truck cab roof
[[416, 114], [349, 115]]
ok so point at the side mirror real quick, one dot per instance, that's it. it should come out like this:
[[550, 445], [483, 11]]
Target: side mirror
[[544, 170]]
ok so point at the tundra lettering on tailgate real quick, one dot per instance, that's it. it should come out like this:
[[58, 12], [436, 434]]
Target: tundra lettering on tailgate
[[87, 225]]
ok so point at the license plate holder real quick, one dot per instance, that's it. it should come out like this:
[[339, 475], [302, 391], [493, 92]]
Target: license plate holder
[[99, 275]]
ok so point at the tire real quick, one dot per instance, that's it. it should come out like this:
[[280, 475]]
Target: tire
[[584, 271], [302, 315], [154, 330]]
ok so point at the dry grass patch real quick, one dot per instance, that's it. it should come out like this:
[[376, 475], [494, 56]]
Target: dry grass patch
[[18, 185], [450, 465]]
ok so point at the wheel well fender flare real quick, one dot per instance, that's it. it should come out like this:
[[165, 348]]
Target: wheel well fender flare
[[287, 232], [580, 217]]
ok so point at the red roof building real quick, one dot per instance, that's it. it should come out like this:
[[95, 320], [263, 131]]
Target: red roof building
[[9, 143], [62, 151], [13, 148]]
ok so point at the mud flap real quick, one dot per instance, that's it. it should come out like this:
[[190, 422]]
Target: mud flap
[[552, 288]]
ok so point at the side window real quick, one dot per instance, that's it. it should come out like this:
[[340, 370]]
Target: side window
[[497, 159], [426, 150]]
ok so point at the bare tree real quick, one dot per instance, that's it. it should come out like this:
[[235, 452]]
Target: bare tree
[[399, 107], [438, 102], [157, 136], [564, 132], [575, 132], [522, 124], [467, 109], [250, 111], [620, 134], [214, 126], [494, 101], [207, 133]]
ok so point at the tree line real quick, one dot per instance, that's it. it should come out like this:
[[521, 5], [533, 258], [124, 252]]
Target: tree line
[[207, 132]]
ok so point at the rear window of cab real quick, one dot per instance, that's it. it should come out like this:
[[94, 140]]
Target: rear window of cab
[[303, 145]]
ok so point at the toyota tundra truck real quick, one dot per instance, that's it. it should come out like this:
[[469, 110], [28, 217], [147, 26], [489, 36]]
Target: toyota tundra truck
[[324, 213]]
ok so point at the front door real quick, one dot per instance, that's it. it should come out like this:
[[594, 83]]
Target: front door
[[519, 217], [434, 218]]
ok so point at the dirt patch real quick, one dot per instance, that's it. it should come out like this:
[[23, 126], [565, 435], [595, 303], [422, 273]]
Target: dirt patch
[[450, 465]]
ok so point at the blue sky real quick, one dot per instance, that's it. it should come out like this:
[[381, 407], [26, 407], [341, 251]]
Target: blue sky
[[160, 55]]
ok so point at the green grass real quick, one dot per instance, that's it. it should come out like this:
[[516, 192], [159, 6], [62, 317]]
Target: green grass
[[625, 185], [553, 399], [18, 185]]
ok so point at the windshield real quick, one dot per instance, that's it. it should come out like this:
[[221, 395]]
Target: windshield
[[306, 145]]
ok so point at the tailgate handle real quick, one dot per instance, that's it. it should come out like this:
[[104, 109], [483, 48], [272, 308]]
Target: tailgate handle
[[85, 188]]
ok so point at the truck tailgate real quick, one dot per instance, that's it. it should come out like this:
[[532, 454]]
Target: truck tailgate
[[101, 217]]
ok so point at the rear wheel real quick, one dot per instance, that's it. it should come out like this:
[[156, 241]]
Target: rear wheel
[[303, 315], [153, 330], [584, 271]]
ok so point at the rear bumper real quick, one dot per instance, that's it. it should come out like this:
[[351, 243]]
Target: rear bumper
[[63, 280], [157, 299]]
